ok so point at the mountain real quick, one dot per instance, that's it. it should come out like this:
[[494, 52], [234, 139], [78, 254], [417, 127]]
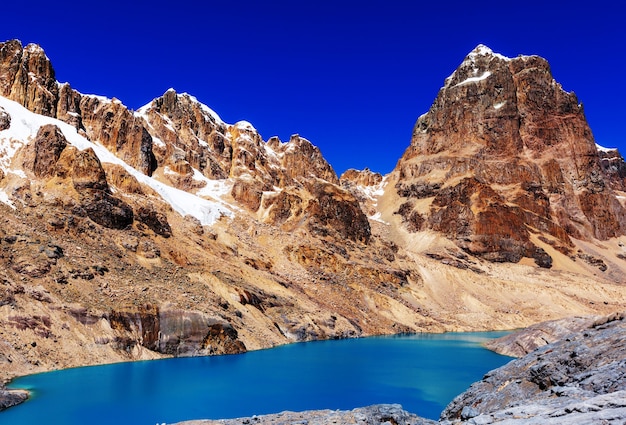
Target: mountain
[[167, 232], [505, 164]]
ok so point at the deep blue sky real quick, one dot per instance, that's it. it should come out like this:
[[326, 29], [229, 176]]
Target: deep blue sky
[[351, 76]]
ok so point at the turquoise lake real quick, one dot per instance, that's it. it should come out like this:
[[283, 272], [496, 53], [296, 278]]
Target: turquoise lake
[[421, 372]]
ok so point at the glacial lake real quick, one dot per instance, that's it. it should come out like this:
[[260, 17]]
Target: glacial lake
[[422, 372]]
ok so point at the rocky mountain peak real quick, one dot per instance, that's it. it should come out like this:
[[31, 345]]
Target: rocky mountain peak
[[477, 65], [484, 53], [505, 134], [27, 76]]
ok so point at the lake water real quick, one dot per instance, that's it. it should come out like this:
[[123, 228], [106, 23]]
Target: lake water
[[421, 372]]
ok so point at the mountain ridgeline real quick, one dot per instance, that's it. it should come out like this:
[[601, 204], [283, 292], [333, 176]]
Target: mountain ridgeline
[[168, 232]]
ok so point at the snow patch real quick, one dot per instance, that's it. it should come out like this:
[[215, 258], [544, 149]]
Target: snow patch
[[24, 127], [19, 173], [605, 150], [377, 217], [375, 191], [470, 80], [245, 126], [4, 198], [143, 111], [158, 142], [499, 105], [168, 171], [214, 189]]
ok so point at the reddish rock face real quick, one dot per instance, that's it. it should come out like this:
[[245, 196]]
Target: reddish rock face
[[504, 152], [89, 180], [194, 135], [112, 124], [336, 210]]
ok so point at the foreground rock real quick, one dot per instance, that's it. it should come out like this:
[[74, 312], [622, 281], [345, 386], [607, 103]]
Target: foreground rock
[[10, 398], [371, 415], [518, 344], [579, 379]]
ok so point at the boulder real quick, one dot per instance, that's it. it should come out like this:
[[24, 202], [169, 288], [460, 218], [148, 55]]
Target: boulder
[[43, 153]]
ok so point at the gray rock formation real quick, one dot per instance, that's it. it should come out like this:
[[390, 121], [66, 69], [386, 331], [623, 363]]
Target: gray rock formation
[[371, 415], [9, 398], [520, 343], [578, 379]]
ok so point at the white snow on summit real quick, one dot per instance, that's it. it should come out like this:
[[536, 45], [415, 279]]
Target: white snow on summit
[[482, 50], [245, 125], [499, 105], [603, 149], [24, 128], [471, 59]]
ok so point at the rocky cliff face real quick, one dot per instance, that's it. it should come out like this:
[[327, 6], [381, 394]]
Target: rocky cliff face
[[166, 231], [504, 154]]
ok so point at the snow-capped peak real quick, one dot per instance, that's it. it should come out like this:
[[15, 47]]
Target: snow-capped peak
[[471, 62], [245, 126], [482, 50], [35, 48], [25, 125], [207, 110]]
